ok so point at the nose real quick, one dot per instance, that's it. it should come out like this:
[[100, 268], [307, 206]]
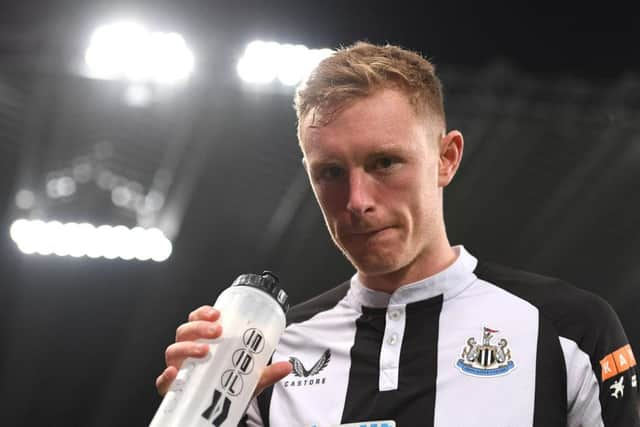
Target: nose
[[360, 199]]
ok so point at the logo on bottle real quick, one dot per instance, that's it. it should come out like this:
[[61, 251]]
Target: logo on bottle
[[218, 410], [253, 340], [231, 380]]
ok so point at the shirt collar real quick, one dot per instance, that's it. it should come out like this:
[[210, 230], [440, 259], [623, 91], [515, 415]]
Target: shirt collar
[[448, 283]]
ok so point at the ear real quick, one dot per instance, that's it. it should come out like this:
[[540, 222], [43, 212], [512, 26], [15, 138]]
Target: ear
[[451, 147]]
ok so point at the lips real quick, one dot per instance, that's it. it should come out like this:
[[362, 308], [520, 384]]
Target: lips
[[366, 233]]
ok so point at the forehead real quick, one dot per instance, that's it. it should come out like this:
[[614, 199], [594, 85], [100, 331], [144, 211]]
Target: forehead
[[384, 117]]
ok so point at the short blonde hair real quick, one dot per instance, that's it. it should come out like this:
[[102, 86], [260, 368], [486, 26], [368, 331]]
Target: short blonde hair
[[361, 69]]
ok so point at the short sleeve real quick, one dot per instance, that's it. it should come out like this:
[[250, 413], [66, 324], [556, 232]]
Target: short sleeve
[[613, 373]]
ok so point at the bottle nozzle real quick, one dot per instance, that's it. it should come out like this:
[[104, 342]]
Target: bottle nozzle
[[268, 273]]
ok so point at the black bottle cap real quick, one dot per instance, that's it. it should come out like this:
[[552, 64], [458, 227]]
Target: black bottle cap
[[267, 282]]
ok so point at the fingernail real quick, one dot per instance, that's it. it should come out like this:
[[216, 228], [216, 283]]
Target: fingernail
[[211, 312], [202, 347], [213, 329]]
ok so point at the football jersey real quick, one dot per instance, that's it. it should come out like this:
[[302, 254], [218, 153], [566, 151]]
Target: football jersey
[[476, 344]]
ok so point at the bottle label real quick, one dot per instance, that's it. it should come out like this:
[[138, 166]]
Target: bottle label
[[232, 380]]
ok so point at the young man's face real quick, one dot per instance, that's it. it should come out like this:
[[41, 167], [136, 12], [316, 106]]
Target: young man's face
[[374, 168]]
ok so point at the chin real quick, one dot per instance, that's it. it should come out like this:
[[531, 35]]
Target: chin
[[375, 264]]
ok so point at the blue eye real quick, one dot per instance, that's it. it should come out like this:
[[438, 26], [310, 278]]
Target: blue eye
[[384, 162]]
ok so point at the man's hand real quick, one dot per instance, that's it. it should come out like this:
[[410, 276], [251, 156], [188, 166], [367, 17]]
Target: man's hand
[[203, 324]]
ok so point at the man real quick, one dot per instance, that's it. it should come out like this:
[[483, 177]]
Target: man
[[423, 333]]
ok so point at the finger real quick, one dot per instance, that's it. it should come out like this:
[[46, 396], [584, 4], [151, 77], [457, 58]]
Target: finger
[[272, 374], [164, 380], [175, 354], [197, 329], [205, 312]]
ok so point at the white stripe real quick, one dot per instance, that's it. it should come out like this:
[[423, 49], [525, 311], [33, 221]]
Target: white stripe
[[391, 346], [583, 391], [461, 399], [307, 341]]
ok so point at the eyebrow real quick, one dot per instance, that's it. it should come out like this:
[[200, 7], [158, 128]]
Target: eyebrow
[[389, 148], [385, 150], [322, 163]]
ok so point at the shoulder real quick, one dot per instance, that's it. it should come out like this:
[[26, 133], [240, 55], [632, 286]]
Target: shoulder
[[553, 296], [323, 302], [580, 315]]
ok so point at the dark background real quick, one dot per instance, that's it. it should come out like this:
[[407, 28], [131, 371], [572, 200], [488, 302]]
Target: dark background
[[548, 98]]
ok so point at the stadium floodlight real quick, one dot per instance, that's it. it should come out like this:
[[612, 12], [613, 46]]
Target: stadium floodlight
[[128, 51], [263, 62], [63, 186], [78, 240], [293, 63], [258, 64]]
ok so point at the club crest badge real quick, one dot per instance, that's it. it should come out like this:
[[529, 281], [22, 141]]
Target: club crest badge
[[486, 359]]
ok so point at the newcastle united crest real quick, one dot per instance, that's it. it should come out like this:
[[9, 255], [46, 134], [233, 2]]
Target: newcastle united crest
[[486, 359]]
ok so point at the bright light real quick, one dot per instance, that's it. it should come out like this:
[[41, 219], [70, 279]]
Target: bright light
[[63, 186], [78, 240], [52, 240], [263, 61], [128, 51], [26, 234], [25, 199], [121, 195], [159, 247], [137, 95], [140, 243], [292, 64], [259, 63]]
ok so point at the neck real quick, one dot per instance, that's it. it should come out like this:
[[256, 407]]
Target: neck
[[429, 262]]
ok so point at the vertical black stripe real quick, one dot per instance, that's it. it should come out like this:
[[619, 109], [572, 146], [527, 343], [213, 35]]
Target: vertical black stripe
[[413, 403], [264, 403], [550, 406]]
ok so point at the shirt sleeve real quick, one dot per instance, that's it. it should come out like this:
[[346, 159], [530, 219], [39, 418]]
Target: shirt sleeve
[[602, 383]]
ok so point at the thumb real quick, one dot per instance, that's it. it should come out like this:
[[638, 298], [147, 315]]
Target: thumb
[[272, 374]]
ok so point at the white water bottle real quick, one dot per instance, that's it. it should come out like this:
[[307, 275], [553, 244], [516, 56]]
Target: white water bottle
[[217, 389]]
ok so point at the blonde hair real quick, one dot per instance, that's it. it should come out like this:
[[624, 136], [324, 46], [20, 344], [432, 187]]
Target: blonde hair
[[363, 68]]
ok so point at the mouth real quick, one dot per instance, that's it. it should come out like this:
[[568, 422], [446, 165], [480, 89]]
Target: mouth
[[368, 233]]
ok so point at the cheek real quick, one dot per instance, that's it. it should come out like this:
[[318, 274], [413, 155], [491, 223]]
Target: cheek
[[413, 203], [330, 200], [329, 206]]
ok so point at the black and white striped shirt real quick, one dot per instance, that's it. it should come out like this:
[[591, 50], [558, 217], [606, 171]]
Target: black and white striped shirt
[[474, 345]]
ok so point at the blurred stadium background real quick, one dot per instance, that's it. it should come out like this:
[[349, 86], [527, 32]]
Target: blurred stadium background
[[195, 177]]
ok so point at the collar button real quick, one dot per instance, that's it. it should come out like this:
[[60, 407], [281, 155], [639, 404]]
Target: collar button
[[395, 314]]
